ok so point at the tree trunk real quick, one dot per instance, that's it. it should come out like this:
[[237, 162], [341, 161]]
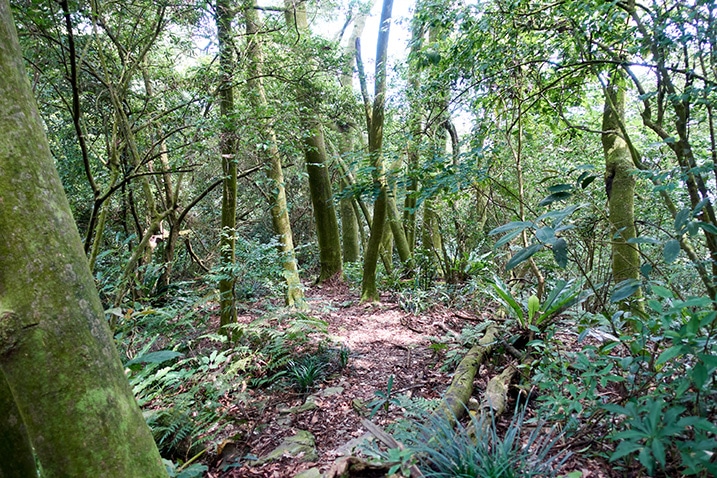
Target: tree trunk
[[274, 170], [18, 459], [349, 221], [56, 351], [369, 292], [227, 306], [317, 164], [619, 183]]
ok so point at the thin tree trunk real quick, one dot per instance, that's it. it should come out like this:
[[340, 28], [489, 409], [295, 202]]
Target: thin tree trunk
[[369, 291], [56, 351], [229, 164], [274, 170], [349, 220]]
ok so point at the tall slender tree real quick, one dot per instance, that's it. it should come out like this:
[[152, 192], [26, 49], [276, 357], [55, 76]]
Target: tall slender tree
[[317, 163], [619, 182], [375, 119], [274, 170], [224, 17]]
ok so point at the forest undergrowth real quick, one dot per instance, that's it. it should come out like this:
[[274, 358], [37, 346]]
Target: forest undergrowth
[[561, 391]]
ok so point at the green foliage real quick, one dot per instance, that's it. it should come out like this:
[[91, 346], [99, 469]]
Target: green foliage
[[182, 379], [443, 450], [661, 365], [653, 429], [305, 372], [194, 470], [256, 272], [562, 296], [384, 398]]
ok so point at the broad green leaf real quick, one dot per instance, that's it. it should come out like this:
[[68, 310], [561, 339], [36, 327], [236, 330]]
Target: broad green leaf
[[587, 181], [624, 289], [671, 250], [658, 451], [669, 354], [560, 188], [663, 292], [522, 255], [560, 253], [559, 196], [507, 299], [520, 225], [681, 219], [507, 238], [707, 227], [545, 235], [155, 357], [699, 375], [533, 307], [625, 448], [645, 457]]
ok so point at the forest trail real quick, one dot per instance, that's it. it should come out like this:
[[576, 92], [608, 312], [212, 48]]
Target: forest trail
[[384, 341]]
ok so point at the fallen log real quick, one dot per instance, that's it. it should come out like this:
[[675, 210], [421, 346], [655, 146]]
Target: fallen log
[[495, 398], [459, 392]]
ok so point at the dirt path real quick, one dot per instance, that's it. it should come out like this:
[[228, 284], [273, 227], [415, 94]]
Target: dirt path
[[384, 341]]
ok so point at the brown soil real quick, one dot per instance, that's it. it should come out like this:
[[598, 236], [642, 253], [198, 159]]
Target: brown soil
[[384, 341]]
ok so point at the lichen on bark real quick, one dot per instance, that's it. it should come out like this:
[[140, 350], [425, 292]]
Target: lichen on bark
[[66, 378]]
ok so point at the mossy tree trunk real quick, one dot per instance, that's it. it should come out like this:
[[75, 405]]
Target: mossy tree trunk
[[349, 220], [56, 350], [317, 163], [619, 183], [17, 459], [224, 16], [369, 291], [350, 234], [274, 170]]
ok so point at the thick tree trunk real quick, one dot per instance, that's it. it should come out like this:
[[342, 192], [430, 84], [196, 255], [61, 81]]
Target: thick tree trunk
[[274, 170], [322, 200], [56, 351], [619, 184], [229, 164]]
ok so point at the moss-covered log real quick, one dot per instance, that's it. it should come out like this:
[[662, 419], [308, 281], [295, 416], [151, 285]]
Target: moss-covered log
[[56, 350], [495, 397], [461, 388]]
